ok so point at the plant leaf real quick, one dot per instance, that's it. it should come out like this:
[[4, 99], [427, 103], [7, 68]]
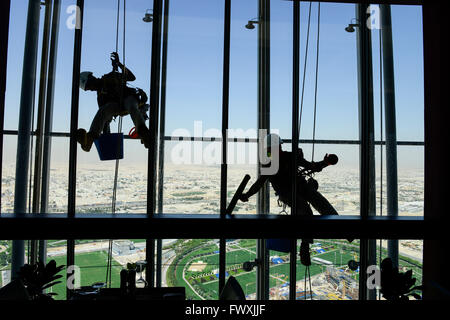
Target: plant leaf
[[417, 288], [54, 278], [415, 295], [50, 284]]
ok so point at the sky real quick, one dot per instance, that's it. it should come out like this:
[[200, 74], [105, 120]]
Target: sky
[[195, 65]]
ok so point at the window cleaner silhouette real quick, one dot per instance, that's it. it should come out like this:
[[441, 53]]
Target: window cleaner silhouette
[[114, 99]]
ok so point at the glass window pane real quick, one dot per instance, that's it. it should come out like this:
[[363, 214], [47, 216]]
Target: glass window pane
[[238, 252], [407, 34], [194, 64], [410, 257], [5, 262], [57, 250], [330, 276], [339, 184], [8, 173], [193, 264], [192, 177]]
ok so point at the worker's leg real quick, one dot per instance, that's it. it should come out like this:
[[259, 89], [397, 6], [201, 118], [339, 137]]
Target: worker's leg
[[132, 107], [319, 202], [100, 122], [305, 257], [303, 208], [107, 128], [103, 116]]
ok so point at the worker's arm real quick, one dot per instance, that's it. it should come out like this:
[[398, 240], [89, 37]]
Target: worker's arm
[[329, 159], [254, 188], [302, 162], [129, 76]]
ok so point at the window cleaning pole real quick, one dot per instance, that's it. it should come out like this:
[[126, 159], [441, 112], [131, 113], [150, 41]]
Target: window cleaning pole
[[24, 131]]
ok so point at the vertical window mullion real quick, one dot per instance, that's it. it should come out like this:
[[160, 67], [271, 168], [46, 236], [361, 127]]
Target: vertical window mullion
[[155, 83], [73, 128], [295, 137], [5, 13], [162, 129], [367, 146], [225, 117]]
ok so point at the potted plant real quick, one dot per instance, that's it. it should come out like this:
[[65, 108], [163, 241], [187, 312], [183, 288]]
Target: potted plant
[[38, 277], [395, 285]]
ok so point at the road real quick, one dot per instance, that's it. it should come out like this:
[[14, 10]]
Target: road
[[165, 266]]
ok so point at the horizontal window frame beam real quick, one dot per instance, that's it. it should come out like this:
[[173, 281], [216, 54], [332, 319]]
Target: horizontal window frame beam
[[243, 140], [393, 2], [174, 226]]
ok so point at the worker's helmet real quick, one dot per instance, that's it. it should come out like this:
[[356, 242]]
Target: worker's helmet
[[272, 140], [84, 76]]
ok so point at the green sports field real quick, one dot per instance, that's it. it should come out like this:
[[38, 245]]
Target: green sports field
[[92, 269], [205, 283]]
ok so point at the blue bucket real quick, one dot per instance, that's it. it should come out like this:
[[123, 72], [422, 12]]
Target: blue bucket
[[110, 146]]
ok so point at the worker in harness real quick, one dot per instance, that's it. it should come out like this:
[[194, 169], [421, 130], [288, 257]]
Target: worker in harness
[[114, 99], [281, 182]]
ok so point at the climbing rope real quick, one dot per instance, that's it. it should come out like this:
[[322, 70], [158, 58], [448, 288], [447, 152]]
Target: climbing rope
[[121, 101], [123, 82], [315, 86], [304, 70], [307, 268], [316, 76], [308, 275]]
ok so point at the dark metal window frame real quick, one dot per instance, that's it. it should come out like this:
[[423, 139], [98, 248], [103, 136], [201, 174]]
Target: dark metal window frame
[[74, 226]]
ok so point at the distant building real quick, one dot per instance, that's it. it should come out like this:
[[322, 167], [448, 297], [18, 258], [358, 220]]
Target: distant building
[[6, 277], [321, 261], [276, 260], [304, 295], [197, 266], [123, 247]]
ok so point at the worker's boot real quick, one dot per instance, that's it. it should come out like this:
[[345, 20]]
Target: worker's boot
[[144, 135], [85, 139], [305, 257]]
